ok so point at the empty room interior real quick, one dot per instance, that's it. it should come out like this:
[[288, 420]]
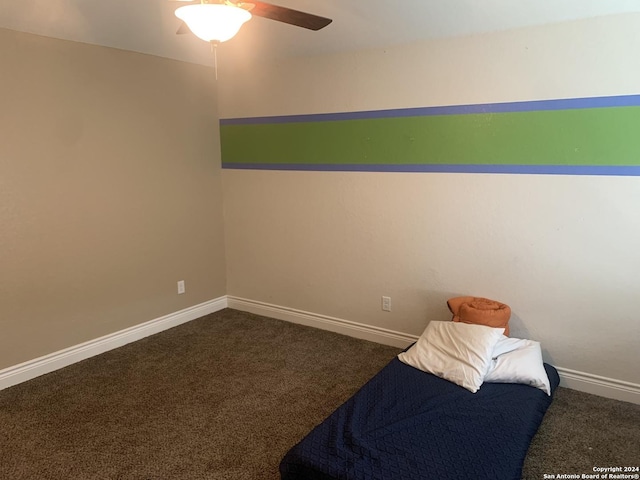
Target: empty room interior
[[206, 250]]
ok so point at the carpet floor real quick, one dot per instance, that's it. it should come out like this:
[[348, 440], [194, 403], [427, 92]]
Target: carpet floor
[[225, 396]]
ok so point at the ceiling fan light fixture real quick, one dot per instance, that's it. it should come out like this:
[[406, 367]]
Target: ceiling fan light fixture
[[213, 22]]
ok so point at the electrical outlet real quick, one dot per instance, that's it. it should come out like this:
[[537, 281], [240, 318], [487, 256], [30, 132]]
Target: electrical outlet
[[386, 304], [181, 287]]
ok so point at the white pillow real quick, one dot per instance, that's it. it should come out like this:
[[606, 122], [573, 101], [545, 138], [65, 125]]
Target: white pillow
[[518, 361], [458, 352]]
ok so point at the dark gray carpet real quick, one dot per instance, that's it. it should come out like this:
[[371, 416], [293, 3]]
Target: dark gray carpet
[[225, 396]]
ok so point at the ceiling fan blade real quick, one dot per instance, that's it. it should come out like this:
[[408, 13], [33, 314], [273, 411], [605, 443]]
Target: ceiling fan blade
[[182, 29], [288, 15]]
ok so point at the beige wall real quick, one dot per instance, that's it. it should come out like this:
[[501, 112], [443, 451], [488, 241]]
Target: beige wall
[[109, 192], [561, 250]]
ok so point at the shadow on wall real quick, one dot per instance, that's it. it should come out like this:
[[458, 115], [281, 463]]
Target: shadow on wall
[[435, 304]]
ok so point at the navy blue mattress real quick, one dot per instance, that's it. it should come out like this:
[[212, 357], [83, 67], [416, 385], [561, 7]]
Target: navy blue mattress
[[407, 424]]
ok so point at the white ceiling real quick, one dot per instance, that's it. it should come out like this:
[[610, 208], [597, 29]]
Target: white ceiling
[[149, 26]]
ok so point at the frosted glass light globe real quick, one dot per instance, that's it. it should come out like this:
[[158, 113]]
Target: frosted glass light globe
[[213, 21]]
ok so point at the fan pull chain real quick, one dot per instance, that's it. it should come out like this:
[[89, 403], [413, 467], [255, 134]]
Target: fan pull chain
[[214, 50]]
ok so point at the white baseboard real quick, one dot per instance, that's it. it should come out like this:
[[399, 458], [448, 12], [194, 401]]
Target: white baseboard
[[597, 385], [584, 382], [48, 363], [323, 322]]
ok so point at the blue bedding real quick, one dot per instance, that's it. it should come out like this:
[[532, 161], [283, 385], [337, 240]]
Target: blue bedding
[[406, 424]]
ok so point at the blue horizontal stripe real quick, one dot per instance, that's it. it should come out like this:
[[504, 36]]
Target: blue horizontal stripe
[[527, 106], [627, 171]]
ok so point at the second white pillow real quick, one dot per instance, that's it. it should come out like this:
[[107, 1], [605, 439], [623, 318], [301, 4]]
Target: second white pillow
[[518, 360]]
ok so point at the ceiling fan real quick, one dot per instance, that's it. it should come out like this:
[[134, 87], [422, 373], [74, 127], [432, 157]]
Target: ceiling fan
[[219, 20]]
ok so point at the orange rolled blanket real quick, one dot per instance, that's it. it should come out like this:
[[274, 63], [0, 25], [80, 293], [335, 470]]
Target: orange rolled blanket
[[481, 311]]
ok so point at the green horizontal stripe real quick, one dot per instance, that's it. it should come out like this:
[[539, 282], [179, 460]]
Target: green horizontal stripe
[[598, 136]]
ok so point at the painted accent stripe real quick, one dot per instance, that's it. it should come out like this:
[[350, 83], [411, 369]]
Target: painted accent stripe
[[595, 137], [625, 171], [504, 107], [579, 136]]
